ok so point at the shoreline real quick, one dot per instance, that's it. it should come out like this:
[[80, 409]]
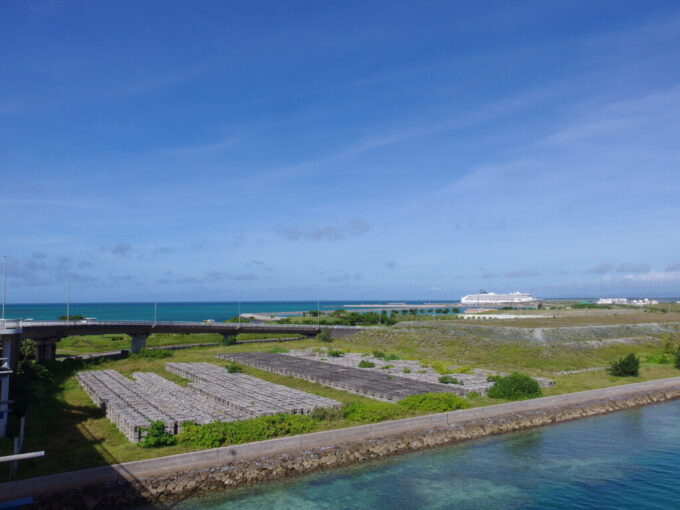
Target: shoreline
[[175, 477]]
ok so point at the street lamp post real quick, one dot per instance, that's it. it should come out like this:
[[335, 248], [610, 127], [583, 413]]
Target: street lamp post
[[4, 290], [68, 303]]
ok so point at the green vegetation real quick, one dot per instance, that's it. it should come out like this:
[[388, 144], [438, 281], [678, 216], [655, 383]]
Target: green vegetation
[[70, 317], [627, 366], [386, 367], [373, 412], [515, 386], [156, 436], [447, 379], [233, 368], [583, 306], [441, 367], [366, 364], [325, 335], [676, 364], [228, 340], [406, 370], [334, 353], [217, 434], [278, 350], [464, 370], [435, 402], [151, 354]]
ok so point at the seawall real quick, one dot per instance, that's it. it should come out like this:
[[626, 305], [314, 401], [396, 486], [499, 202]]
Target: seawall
[[176, 477]]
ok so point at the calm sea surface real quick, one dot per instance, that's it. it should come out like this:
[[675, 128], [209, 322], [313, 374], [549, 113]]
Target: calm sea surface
[[625, 460], [171, 311]]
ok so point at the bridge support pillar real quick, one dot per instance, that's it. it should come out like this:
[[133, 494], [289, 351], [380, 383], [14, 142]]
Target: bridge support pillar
[[138, 343], [46, 349]]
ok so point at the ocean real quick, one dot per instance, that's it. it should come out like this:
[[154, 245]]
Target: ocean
[[192, 311], [628, 459]]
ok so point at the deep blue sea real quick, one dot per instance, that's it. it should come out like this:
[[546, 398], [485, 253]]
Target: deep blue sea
[[175, 311], [625, 460]]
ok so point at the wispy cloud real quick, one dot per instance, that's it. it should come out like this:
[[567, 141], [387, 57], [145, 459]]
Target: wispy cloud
[[335, 232]]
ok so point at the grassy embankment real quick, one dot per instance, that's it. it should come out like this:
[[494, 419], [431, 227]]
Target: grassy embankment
[[62, 418], [102, 343]]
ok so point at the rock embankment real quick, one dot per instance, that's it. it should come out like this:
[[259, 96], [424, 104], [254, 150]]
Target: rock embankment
[[180, 476]]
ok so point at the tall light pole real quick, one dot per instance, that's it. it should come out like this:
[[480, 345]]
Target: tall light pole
[[155, 310], [68, 303], [4, 290], [318, 314], [239, 308]]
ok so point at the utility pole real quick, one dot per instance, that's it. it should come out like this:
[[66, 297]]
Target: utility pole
[[155, 310], [239, 308], [318, 314], [4, 291]]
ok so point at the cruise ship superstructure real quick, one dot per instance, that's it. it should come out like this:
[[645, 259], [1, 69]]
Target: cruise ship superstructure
[[491, 298]]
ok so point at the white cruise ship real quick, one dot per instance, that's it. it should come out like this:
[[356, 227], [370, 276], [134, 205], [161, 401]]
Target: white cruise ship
[[491, 298]]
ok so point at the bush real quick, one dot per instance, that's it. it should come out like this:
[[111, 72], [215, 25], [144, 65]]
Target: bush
[[515, 386], [473, 394], [325, 335], [434, 402], [278, 350], [627, 366], [677, 359], [156, 436], [493, 378], [391, 357], [217, 434], [233, 368], [151, 354], [464, 370], [228, 340], [372, 412], [379, 354], [327, 413], [365, 364], [386, 367], [334, 353], [440, 367], [447, 379], [661, 359], [406, 370]]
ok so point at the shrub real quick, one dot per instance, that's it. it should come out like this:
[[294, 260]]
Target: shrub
[[325, 335], [334, 353], [440, 367], [447, 379], [627, 366], [515, 386], [379, 354], [233, 368], [27, 348], [156, 436], [661, 359], [406, 370], [386, 367], [217, 434], [151, 354], [391, 357], [372, 412], [473, 394], [327, 413], [464, 370], [493, 378], [365, 364], [677, 358], [278, 350], [228, 340], [434, 402]]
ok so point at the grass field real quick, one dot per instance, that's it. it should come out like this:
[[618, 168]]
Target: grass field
[[103, 343], [62, 418]]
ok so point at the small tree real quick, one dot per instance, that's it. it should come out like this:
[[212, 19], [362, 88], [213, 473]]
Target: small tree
[[156, 436], [627, 366], [325, 335], [677, 358], [229, 340]]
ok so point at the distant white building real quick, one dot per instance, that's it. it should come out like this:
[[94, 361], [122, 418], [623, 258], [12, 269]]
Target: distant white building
[[626, 301], [491, 298]]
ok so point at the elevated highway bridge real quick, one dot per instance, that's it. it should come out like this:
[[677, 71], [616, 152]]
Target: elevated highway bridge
[[46, 334]]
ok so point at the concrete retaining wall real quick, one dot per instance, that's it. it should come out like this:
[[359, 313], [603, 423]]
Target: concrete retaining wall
[[180, 476]]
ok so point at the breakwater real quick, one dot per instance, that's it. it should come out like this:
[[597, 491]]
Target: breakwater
[[180, 476]]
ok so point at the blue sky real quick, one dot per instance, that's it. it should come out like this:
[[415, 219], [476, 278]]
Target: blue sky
[[339, 150]]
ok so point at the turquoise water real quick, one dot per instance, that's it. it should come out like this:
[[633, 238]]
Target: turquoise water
[[171, 311], [623, 460]]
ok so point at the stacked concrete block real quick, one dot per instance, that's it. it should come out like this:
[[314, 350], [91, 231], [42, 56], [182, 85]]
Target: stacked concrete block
[[355, 380], [246, 393]]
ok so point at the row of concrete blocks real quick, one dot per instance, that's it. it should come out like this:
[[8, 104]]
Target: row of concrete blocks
[[355, 380], [246, 393]]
